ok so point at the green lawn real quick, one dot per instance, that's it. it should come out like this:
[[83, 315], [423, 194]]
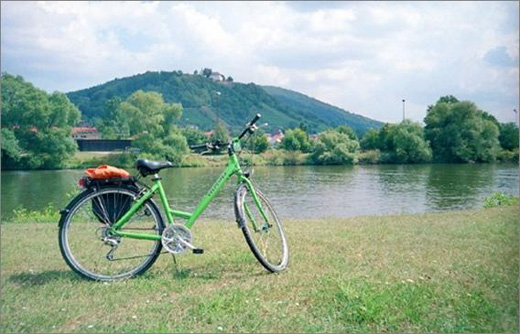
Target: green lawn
[[448, 272]]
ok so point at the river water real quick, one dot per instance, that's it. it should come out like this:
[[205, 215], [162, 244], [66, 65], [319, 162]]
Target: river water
[[300, 191]]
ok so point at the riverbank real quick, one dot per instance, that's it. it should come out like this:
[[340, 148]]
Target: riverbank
[[449, 272], [269, 158]]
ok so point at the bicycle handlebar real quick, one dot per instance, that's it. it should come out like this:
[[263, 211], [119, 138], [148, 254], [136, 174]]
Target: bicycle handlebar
[[249, 128], [194, 147], [215, 146]]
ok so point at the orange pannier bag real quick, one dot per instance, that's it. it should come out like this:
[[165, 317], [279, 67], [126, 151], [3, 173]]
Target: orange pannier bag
[[106, 172]]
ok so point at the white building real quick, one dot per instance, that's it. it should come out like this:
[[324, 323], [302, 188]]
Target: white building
[[217, 77]]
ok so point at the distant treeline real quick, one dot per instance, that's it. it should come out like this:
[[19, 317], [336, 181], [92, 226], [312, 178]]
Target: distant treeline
[[454, 131], [36, 133]]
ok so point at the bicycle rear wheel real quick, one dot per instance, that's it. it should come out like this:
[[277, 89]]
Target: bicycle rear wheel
[[86, 247], [264, 235]]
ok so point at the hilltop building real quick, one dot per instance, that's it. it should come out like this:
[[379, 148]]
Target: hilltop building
[[217, 77]]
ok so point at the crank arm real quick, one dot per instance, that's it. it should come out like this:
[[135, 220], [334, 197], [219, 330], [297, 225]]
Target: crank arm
[[190, 246], [187, 244]]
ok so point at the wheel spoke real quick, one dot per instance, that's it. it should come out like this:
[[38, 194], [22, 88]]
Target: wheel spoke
[[266, 240], [84, 244]]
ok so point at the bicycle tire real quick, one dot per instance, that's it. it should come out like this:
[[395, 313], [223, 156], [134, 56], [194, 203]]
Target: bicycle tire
[[68, 218], [251, 235]]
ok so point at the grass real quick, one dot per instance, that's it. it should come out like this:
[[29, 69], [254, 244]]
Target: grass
[[446, 272]]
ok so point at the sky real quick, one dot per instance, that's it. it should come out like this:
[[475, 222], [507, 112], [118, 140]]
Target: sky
[[364, 57]]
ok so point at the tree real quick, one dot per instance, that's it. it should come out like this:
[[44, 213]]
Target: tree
[[194, 136], [36, 126], [399, 143], [221, 133], [460, 132], [348, 131], [206, 72], [176, 147], [229, 79], [144, 112], [385, 139], [508, 136], [296, 140], [408, 144], [448, 99], [257, 142], [335, 148], [172, 112], [370, 140], [11, 150], [112, 126], [151, 122]]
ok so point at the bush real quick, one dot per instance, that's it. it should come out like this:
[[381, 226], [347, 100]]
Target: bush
[[274, 157], [371, 157], [296, 140], [257, 160], [194, 160], [500, 199], [194, 136], [508, 156], [49, 214], [257, 141], [335, 148]]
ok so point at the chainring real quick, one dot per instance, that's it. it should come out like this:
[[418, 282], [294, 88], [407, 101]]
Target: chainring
[[171, 237]]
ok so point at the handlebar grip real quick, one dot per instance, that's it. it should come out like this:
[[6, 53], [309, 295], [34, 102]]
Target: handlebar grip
[[248, 128], [254, 120]]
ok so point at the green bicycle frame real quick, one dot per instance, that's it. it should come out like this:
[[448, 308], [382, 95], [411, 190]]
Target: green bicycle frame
[[232, 168]]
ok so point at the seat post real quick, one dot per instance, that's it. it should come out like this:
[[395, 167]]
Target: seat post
[[156, 177]]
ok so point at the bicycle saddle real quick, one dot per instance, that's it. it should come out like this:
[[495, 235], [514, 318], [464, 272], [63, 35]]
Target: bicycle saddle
[[148, 167]]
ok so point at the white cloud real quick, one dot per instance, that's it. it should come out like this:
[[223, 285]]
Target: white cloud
[[361, 56]]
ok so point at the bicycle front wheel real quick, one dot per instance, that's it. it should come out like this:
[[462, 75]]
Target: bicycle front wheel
[[91, 252], [262, 229]]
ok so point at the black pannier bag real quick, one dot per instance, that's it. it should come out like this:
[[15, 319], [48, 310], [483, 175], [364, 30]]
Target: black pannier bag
[[109, 208]]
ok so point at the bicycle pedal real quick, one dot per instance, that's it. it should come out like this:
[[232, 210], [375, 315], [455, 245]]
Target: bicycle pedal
[[198, 251]]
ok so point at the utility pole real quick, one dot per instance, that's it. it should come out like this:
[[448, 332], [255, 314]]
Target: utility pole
[[403, 109], [218, 107]]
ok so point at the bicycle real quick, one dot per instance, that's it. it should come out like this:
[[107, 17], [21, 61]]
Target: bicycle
[[101, 230]]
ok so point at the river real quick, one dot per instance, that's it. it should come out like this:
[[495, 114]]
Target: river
[[300, 191]]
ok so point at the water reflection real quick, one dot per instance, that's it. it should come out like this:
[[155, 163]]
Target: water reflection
[[406, 183], [301, 191], [455, 187]]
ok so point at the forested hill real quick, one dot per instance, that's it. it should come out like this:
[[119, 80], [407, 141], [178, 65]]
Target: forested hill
[[328, 113], [237, 102]]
